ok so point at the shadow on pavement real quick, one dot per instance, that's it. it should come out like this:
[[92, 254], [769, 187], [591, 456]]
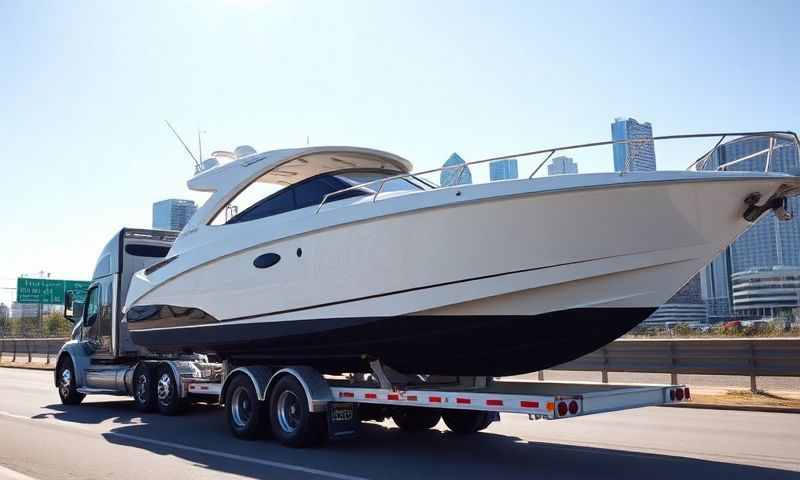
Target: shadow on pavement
[[382, 451]]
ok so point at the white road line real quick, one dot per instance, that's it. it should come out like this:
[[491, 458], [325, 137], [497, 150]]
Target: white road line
[[8, 474], [204, 451]]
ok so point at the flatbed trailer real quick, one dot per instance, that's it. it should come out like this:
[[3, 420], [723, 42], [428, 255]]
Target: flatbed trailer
[[298, 404]]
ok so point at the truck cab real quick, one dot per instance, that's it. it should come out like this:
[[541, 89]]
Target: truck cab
[[100, 338]]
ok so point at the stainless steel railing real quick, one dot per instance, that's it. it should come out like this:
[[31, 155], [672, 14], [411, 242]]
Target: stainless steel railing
[[788, 138]]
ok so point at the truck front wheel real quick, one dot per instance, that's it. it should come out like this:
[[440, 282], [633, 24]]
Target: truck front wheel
[[67, 388]]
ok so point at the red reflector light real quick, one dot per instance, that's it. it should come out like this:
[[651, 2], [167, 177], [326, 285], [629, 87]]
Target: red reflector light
[[679, 394], [528, 404], [494, 403], [686, 393], [411, 398], [562, 409], [463, 401], [573, 407], [435, 399], [370, 395], [393, 396], [672, 395], [346, 394]]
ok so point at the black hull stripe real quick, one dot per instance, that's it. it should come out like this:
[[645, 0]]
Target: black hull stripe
[[449, 345]]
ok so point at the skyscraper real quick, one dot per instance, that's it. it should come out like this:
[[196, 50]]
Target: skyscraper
[[635, 156], [769, 243], [562, 165], [173, 214], [503, 169], [455, 176]]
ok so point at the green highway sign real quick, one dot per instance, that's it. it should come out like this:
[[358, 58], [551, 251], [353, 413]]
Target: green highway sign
[[47, 291]]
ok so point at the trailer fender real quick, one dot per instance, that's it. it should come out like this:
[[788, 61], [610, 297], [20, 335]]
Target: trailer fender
[[318, 392], [81, 359], [259, 375]]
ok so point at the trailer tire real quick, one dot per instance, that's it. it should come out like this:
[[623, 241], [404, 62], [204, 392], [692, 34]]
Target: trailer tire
[[67, 389], [465, 422], [416, 419], [168, 398], [292, 423], [244, 412], [144, 391]]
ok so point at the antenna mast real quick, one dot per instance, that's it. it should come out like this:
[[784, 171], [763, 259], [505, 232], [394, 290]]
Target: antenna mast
[[196, 163]]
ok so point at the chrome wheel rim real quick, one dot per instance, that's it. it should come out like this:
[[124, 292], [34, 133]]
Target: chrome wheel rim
[[141, 388], [288, 411], [241, 407], [164, 388], [66, 382]]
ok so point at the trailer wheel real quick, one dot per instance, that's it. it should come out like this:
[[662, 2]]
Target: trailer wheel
[[67, 389], [293, 424], [415, 419], [144, 390], [244, 412], [465, 422], [167, 396]]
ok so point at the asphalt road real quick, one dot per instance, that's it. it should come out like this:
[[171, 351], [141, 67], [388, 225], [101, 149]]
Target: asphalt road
[[106, 437]]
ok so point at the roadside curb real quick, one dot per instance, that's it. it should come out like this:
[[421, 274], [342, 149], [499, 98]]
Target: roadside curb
[[740, 408], [27, 366]]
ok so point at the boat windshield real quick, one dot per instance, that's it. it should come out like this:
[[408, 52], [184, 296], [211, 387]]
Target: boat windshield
[[395, 185]]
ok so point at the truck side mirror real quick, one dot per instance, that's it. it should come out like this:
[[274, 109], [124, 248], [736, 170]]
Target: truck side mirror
[[69, 300]]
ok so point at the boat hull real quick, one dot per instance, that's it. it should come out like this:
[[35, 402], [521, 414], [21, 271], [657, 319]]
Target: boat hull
[[442, 345]]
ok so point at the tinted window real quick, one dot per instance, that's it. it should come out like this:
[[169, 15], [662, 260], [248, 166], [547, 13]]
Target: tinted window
[[311, 192], [154, 251], [282, 201]]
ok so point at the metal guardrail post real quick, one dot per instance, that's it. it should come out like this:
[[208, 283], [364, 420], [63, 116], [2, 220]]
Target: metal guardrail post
[[47, 352], [14, 357], [604, 371], [673, 375], [28, 343], [752, 362], [541, 375]]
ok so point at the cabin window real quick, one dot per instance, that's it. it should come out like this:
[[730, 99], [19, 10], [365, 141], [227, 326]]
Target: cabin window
[[281, 202], [260, 201]]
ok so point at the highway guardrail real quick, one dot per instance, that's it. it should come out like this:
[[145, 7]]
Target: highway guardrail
[[744, 357]]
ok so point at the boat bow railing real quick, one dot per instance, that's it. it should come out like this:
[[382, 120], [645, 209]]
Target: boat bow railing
[[776, 140]]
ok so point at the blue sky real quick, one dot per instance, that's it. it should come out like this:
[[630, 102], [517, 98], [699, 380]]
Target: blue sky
[[86, 86]]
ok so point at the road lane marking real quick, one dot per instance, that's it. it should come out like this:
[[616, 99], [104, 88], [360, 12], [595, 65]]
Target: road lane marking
[[179, 446], [241, 458], [8, 474]]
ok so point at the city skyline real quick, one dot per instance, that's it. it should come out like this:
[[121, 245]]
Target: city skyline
[[455, 176], [636, 156], [503, 169], [173, 213], [562, 165], [417, 96]]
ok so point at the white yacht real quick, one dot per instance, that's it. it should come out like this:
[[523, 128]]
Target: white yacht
[[336, 256]]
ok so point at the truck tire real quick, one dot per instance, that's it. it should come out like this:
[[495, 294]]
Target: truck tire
[[291, 421], [168, 398], [244, 412], [415, 419], [144, 391], [465, 422], [67, 389]]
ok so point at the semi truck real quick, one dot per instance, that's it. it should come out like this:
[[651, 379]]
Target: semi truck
[[296, 404]]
